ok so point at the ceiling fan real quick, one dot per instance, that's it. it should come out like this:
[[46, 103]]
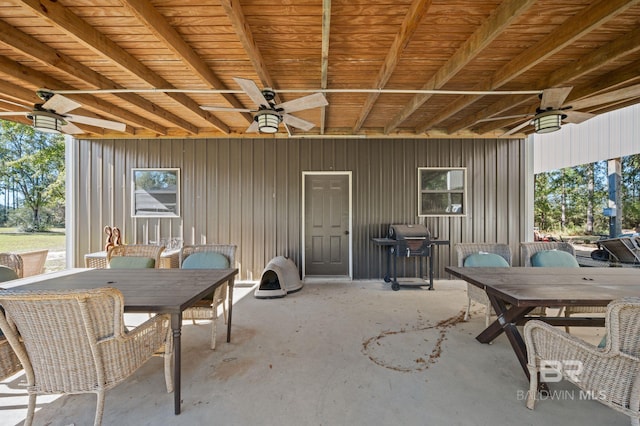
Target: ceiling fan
[[52, 115], [268, 115], [550, 115]]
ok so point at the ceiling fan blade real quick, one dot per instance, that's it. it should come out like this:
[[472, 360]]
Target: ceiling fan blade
[[554, 98], [6, 101], [306, 102], [97, 122], [298, 123], [576, 117], [224, 109], [253, 127], [252, 91], [516, 129], [12, 113], [71, 129], [60, 104]]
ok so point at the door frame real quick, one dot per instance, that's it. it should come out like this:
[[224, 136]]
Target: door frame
[[302, 219]]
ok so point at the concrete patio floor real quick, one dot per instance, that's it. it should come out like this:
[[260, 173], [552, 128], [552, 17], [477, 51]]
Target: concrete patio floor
[[334, 353]]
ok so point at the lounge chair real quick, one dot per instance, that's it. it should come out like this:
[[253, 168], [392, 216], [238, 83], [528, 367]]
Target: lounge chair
[[622, 249]]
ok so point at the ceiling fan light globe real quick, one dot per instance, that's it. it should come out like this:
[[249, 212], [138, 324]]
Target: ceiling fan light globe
[[47, 122], [547, 122], [268, 121]]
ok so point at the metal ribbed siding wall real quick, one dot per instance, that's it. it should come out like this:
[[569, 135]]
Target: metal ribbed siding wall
[[604, 137], [248, 192]]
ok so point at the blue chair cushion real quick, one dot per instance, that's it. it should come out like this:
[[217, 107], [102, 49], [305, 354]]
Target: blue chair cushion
[[554, 259], [131, 262], [7, 274], [603, 342], [206, 260], [485, 260]]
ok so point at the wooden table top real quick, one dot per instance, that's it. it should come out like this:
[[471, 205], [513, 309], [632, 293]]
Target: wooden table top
[[144, 290], [529, 286]]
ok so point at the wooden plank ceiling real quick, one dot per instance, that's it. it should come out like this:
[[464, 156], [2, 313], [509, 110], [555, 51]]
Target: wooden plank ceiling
[[403, 68]]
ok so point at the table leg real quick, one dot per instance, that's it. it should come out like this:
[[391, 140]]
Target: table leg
[[176, 327], [229, 307], [506, 322], [507, 316]]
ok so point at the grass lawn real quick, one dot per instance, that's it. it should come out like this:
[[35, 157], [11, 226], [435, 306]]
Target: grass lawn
[[13, 241]]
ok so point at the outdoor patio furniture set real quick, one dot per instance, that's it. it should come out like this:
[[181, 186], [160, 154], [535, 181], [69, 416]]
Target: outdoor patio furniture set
[[84, 310], [538, 254], [552, 278]]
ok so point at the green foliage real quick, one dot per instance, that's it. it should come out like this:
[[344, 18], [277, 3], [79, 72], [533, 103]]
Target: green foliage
[[631, 191], [564, 199], [32, 166]]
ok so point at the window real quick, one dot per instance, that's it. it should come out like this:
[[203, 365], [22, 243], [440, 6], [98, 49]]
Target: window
[[155, 192], [442, 191]]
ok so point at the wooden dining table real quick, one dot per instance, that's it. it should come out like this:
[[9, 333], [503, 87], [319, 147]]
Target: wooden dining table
[[161, 291], [514, 292]]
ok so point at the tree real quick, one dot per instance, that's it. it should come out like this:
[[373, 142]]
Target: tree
[[630, 189], [32, 164], [574, 198]]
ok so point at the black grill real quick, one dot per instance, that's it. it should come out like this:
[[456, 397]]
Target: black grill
[[411, 240]]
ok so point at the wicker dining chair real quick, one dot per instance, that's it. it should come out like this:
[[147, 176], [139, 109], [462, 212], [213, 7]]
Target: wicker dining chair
[[464, 252], [9, 363], [134, 256], [531, 249], [13, 261], [610, 374], [208, 256], [74, 341]]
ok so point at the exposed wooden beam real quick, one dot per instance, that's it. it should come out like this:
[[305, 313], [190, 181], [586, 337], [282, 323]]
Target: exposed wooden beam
[[605, 55], [599, 58], [616, 105], [233, 9], [412, 19], [158, 25], [613, 96], [38, 51], [18, 94], [506, 13], [622, 76], [39, 79], [87, 35], [324, 64], [572, 29]]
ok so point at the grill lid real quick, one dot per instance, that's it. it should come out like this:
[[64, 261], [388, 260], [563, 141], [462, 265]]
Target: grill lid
[[411, 231]]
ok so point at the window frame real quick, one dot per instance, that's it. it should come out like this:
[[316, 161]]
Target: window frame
[[422, 193], [171, 213]]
